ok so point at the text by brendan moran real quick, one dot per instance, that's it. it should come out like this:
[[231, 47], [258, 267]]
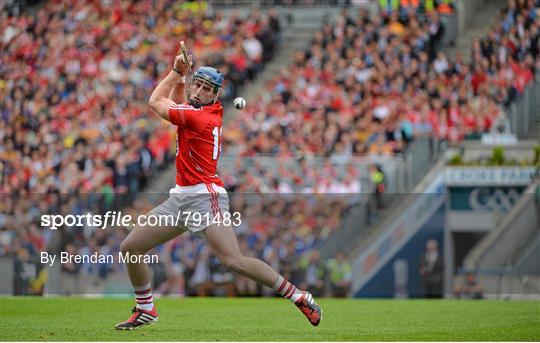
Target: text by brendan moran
[[66, 258]]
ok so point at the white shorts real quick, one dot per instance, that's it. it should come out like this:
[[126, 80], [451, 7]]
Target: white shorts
[[195, 207]]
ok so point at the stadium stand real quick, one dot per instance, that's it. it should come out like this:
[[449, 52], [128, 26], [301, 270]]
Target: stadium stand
[[367, 86], [370, 85], [75, 100], [75, 93]]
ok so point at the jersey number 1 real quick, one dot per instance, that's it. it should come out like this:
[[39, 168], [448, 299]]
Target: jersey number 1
[[217, 142]]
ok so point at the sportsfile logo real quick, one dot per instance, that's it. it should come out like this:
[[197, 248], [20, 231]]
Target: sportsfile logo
[[117, 219]]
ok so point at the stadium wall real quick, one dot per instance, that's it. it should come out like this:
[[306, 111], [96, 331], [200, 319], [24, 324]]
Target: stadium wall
[[393, 235], [400, 276]]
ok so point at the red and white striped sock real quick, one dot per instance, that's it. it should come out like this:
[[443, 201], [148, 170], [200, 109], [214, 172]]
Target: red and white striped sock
[[143, 297], [287, 289]]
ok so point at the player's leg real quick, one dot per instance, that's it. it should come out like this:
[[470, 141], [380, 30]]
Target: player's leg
[[224, 244], [139, 242]]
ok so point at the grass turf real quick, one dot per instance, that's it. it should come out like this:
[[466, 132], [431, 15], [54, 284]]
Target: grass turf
[[220, 319]]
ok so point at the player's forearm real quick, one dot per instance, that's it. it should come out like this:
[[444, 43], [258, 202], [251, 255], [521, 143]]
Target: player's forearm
[[165, 87], [159, 100], [178, 93]]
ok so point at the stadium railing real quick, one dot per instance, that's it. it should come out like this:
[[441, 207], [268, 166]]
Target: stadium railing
[[272, 163], [529, 260], [402, 171], [502, 246], [409, 169], [271, 3]]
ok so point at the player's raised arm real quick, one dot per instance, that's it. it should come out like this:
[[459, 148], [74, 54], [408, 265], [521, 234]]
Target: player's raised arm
[[178, 92], [159, 100]]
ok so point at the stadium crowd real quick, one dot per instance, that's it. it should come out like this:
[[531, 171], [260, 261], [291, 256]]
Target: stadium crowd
[[371, 85], [278, 228], [76, 80], [334, 176], [76, 132]]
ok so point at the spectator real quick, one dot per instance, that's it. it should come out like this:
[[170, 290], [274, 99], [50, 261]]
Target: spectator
[[201, 274], [340, 273], [175, 284], [379, 180], [313, 273], [431, 270], [470, 288], [436, 33]]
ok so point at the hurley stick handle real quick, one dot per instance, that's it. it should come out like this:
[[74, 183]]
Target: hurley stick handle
[[184, 53]]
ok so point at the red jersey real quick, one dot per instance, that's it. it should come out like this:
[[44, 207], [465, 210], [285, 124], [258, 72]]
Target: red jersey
[[198, 143]]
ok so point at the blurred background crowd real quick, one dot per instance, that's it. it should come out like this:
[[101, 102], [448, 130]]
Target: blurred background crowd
[[76, 79], [278, 228], [371, 85], [75, 82]]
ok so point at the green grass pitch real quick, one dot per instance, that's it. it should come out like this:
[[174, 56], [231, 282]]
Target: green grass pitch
[[270, 319]]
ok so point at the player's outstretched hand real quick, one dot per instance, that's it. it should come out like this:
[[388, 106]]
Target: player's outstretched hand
[[180, 62]]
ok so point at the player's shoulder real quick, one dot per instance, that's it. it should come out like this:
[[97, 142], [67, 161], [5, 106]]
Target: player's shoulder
[[213, 111], [217, 106]]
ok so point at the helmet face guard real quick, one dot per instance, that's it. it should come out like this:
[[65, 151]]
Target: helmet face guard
[[207, 75]]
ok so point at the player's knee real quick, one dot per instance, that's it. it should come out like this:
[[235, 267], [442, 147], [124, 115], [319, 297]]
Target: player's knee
[[131, 247]]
